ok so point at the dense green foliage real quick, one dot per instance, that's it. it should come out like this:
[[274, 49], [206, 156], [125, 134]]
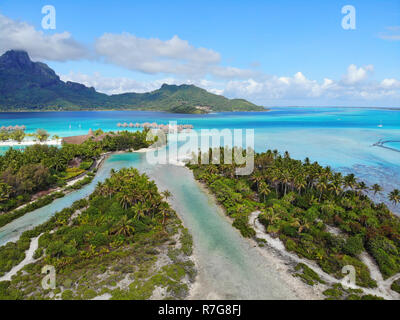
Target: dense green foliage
[[338, 292], [27, 85], [24, 173], [187, 109], [298, 200], [118, 232], [307, 274], [396, 286]]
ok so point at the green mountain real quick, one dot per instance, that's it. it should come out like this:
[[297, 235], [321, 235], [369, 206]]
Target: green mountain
[[27, 85]]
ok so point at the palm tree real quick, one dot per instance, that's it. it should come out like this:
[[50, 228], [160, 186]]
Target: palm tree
[[376, 188], [285, 179], [124, 227], [264, 190], [362, 187], [350, 181], [5, 191], [256, 178], [394, 196], [139, 209], [336, 187], [322, 185], [167, 194], [300, 183], [164, 210]]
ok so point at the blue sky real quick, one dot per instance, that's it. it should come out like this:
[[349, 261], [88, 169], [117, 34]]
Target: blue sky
[[266, 42]]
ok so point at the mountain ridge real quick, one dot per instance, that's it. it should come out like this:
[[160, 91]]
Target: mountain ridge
[[33, 86]]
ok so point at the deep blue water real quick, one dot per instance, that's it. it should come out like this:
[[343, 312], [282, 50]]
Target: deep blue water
[[339, 137]]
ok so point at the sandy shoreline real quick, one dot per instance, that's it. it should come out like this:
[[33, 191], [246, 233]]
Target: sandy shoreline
[[53, 142], [282, 266]]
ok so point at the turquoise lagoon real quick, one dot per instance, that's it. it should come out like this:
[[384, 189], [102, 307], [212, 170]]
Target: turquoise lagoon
[[339, 137], [229, 266]]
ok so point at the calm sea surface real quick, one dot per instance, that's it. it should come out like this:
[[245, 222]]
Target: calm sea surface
[[338, 137], [229, 267]]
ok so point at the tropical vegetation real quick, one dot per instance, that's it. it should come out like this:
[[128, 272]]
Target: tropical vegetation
[[27, 85], [25, 173], [123, 241], [316, 212]]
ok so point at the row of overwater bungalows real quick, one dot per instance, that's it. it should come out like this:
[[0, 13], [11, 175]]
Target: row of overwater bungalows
[[154, 125], [12, 128]]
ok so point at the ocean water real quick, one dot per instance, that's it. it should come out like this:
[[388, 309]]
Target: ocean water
[[393, 144], [342, 138], [229, 267]]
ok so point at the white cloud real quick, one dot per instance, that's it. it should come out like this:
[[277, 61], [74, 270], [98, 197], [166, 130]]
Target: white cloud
[[355, 75], [115, 85], [390, 83], [354, 87], [271, 90], [23, 36], [173, 56], [118, 85]]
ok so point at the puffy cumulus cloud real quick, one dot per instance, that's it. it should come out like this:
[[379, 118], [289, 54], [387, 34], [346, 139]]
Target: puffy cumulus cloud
[[272, 90], [390, 83], [23, 36], [116, 85], [355, 74], [353, 87], [276, 87], [174, 56]]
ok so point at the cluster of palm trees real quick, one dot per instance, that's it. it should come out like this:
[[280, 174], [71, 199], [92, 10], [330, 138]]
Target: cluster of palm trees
[[137, 193], [283, 174]]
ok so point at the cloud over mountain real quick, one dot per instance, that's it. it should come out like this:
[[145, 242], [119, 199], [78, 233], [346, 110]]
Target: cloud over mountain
[[23, 36]]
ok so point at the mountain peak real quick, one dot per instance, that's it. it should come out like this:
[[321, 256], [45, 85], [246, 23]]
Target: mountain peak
[[26, 85], [166, 86], [15, 58], [19, 61]]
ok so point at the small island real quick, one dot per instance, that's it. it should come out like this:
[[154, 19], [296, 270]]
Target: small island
[[318, 219]]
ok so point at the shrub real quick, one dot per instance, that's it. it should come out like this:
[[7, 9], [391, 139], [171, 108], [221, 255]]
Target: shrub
[[242, 225], [85, 165], [354, 245]]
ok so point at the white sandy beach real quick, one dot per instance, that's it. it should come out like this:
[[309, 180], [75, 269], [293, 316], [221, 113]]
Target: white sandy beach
[[30, 143]]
